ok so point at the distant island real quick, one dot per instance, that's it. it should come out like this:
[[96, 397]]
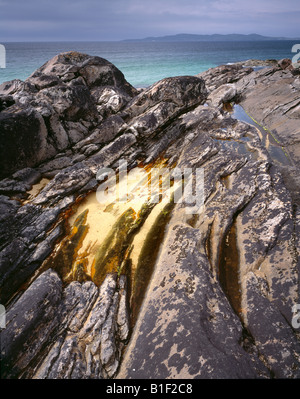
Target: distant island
[[185, 37]]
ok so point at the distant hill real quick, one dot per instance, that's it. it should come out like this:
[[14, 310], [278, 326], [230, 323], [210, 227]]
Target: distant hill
[[185, 37]]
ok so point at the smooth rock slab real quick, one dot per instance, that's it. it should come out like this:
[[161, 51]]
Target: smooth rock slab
[[274, 336], [186, 327], [29, 324]]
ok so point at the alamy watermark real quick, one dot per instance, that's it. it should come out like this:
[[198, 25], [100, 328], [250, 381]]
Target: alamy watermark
[[2, 56], [296, 316], [2, 316], [185, 186], [296, 49]]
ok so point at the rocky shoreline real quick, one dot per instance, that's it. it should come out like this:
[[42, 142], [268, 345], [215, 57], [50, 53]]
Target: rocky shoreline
[[161, 292]]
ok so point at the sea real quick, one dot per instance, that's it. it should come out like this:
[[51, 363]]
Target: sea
[[144, 63]]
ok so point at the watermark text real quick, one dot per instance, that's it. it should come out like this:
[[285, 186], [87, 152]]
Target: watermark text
[[2, 56], [296, 316], [152, 185], [2, 316], [296, 49]]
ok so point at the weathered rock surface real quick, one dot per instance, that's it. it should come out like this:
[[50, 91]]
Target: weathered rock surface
[[213, 292], [76, 332], [246, 209], [280, 114], [224, 74]]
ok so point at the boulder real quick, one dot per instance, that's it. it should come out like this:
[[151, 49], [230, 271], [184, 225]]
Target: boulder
[[285, 63], [95, 71], [53, 104], [222, 95]]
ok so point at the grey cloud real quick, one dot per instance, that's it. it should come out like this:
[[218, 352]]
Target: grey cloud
[[120, 19]]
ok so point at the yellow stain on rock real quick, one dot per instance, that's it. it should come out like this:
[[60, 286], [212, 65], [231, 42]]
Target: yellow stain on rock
[[120, 237]]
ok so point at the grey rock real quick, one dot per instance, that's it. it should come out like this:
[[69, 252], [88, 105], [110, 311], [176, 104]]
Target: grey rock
[[123, 318], [44, 249], [280, 114], [25, 246], [163, 101], [232, 187], [171, 339], [257, 63], [55, 164], [104, 133], [95, 71], [66, 182], [7, 208], [28, 176], [110, 153], [224, 74], [76, 131], [89, 149], [5, 102], [34, 314], [285, 63], [110, 100], [10, 187], [274, 336], [23, 139], [79, 339], [12, 87], [68, 102], [86, 346], [222, 95]]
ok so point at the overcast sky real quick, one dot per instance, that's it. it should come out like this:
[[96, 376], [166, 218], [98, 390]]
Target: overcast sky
[[101, 20]]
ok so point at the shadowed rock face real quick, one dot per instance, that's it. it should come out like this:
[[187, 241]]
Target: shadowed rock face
[[23, 133], [148, 290]]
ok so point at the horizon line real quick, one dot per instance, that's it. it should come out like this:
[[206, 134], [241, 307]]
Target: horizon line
[[146, 38]]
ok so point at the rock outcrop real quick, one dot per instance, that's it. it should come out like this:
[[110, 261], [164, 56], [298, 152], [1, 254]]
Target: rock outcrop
[[280, 114], [82, 326], [232, 242], [191, 289], [58, 105]]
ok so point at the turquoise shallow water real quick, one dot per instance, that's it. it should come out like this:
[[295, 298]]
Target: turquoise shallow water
[[144, 63]]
